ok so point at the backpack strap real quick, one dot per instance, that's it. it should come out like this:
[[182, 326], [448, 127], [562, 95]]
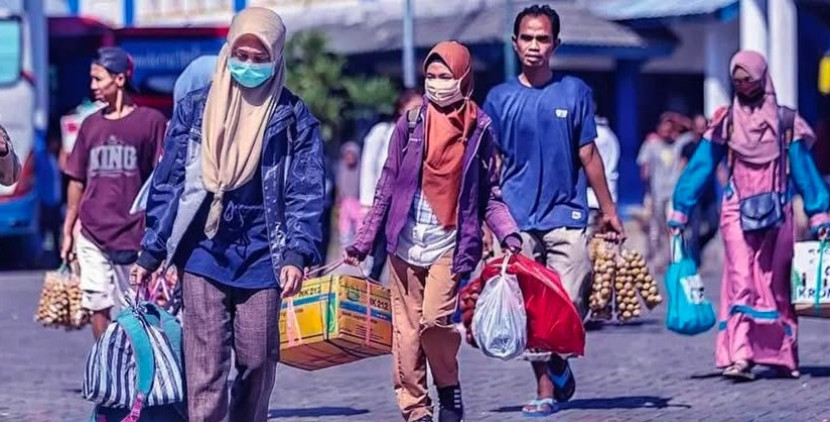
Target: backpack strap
[[412, 116], [159, 317], [145, 365]]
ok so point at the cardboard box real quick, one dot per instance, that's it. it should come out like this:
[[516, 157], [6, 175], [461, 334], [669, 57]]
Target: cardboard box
[[811, 280], [334, 320]]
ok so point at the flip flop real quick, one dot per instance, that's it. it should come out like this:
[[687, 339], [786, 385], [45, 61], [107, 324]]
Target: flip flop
[[539, 408], [564, 384]]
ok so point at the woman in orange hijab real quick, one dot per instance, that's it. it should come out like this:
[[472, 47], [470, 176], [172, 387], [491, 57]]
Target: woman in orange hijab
[[438, 187]]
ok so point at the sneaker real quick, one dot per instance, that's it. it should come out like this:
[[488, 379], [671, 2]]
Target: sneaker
[[564, 383], [451, 406]]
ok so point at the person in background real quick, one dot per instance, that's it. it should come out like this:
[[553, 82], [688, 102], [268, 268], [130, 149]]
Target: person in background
[[115, 152], [546, 129], [51, 196], [758, 323], [238, 211], [659, 161], [375, 150], [703, 220], [682, 126], [198, 74], [609, 150], [348, 193], [9, 163], [433, 223]]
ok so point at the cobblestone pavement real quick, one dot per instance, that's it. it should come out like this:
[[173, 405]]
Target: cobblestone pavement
[[631, 373]]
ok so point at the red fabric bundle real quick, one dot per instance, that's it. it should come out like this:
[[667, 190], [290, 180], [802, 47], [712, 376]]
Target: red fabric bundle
[[553, 323]]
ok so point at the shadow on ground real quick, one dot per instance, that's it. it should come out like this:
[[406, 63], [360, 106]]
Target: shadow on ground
[[315, 412], [633, 402]]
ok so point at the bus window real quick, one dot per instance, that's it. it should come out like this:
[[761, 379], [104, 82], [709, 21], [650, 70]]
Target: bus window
[[10, 51]]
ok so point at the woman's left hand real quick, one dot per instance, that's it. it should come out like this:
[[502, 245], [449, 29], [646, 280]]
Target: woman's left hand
[[292, 280], [513, 244]]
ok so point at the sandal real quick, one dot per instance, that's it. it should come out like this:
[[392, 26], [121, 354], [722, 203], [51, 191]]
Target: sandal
[[739, 371], [539, 408]]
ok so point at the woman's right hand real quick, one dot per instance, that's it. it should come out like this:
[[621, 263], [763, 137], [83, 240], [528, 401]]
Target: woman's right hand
[[352, 257], [139, 276]]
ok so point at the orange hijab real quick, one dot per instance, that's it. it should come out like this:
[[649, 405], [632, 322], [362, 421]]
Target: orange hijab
[[447, 131]]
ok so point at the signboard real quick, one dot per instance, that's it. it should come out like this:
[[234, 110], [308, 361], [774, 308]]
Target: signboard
[[107, 11], [165, 12], [160, 60]]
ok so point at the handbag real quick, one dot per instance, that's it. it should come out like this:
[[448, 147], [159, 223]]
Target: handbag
[[766, 210], [689, 312], [136, 365]]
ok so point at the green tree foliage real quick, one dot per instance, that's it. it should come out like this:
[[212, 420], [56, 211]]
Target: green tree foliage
[[317, 76]]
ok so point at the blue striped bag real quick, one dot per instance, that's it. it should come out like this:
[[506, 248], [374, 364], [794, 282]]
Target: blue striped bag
[[137, 363]]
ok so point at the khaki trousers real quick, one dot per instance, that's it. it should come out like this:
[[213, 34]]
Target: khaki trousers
[[566, 252], [423, 301]]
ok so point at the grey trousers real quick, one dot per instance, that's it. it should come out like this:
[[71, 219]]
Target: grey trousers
[[216, 319]]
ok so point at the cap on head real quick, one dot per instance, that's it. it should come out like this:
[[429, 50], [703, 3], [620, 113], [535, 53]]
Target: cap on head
[[116, 61]]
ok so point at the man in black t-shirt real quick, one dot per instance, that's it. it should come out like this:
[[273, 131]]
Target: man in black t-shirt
[[703, 220]]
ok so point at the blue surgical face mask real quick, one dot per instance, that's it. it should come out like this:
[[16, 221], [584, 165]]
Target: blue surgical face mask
[[250, 75]]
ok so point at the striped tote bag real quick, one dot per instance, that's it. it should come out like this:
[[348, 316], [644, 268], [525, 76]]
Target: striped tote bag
[[137, 362]]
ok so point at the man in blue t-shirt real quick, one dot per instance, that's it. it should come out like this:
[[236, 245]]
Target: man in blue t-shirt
[[546, 133]]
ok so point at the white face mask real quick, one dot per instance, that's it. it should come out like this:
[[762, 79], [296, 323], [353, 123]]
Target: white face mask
[[443, 92]]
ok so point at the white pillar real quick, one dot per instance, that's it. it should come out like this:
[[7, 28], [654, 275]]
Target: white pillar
[[754, 26], [783, 50], [720, 43]]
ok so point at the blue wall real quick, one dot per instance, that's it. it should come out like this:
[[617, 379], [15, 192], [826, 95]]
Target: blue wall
[[813, 42]]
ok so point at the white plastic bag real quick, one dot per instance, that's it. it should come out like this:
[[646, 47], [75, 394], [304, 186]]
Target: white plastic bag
[[500, 320]]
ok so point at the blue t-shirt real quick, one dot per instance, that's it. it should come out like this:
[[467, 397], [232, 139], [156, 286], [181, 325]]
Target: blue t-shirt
[[540, 131], [238, 255]]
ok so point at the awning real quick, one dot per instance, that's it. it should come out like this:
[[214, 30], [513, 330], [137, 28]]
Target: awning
[[482, 22], [626, 10]]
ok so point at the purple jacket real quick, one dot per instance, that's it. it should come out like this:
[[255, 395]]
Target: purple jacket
[[479, 198]]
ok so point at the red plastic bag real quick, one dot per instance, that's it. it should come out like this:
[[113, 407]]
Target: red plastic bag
[[553, 323]]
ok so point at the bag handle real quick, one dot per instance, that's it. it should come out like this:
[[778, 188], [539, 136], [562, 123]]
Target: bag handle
[[134, 326], [368, 335], [678, 248], [325, 269], [505, 262], [292, 324], [819, 279]]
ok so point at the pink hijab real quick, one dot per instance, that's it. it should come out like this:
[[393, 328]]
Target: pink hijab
[[755, 125]]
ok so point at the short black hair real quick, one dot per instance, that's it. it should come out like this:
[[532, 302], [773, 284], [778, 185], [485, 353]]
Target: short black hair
[[538, 10]]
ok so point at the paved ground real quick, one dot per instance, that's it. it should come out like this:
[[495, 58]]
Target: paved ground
[[632, 373]]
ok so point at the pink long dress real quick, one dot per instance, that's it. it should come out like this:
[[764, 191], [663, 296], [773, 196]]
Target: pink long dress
[[757, 322]]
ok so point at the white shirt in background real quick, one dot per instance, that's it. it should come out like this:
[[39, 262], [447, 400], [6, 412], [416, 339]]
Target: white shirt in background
[[609, 150], [375, 150]]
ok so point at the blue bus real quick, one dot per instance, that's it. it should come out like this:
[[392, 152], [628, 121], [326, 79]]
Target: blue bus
[[23, 112]]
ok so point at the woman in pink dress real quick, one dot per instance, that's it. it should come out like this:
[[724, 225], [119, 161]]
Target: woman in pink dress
[[767, 149]]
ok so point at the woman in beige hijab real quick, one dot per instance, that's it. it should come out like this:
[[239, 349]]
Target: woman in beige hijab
[[236, 205]]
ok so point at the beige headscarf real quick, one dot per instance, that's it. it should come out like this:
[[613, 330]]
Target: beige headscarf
[[236, 117]]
